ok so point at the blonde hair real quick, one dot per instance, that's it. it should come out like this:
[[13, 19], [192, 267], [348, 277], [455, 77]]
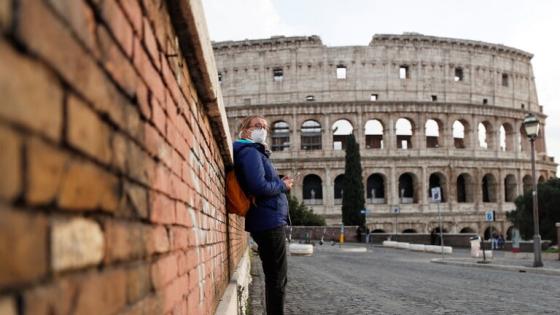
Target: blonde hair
[[247, 121]]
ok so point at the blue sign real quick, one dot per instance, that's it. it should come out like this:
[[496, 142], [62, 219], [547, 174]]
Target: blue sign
[[490, 216]]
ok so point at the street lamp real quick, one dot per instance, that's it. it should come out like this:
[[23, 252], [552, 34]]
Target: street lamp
[[531, 125]]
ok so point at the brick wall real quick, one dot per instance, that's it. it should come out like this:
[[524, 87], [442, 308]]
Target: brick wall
[[113, 143]]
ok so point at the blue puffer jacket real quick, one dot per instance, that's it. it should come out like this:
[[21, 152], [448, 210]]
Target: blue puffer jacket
[[258, 178]]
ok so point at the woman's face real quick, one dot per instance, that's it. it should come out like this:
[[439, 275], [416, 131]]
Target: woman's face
[[256, 123]]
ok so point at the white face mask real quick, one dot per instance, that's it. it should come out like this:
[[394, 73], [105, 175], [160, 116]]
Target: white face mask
[[258, 135]]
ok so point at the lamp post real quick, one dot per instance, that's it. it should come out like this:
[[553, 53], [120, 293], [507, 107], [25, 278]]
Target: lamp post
[[531, 125]]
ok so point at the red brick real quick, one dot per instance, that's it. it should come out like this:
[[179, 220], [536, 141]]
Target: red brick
[[23, 247], [34, 100], [152, 304], [123, 241], [159, 119], [148, 71], [157, 240], [46, 166], [53, 298], [152, 139], [173, 293], [162, 209], [179, 237], [151, 44], [164, 270], [87, 132], [143, 99], [116, 62], [138, 282], [44, 34], [87, 187], [119, 148], [10, 164], [137, 196], [133, 11], [118, 24], [140, 165], [102, 293], [182, 215]]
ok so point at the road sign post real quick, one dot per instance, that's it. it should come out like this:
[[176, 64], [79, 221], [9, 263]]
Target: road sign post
[[436, 197], [396, 210]]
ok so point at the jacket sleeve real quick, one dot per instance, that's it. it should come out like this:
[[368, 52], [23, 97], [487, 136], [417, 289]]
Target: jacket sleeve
[[252, 170]]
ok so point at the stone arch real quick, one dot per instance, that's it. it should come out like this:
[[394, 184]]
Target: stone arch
[[280, 136], [489, 188], [488, 231], [374, 134], [409, 231], [461, 134], [437, 179], [506, 137], [338, 190], [341, 129], [509, 232], [378, 231], [311, 132], [485, 135], [527, 183], [408, 188], [375, 188], [524, 143], [510, 188], [464, 185], [312, 189], [467, 229], [433, 130], [541, 179], [404, 131]]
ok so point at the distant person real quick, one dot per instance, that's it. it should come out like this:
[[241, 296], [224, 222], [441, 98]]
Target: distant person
[[268, 215]]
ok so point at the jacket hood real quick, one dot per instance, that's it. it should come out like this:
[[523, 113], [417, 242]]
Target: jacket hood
[[240, 144]]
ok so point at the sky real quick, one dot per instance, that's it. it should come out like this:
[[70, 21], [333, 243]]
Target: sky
[[528, 25]]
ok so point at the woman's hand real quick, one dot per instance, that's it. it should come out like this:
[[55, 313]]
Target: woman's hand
[[288, 181]]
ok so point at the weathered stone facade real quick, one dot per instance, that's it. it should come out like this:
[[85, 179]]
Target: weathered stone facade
[[465, 88]]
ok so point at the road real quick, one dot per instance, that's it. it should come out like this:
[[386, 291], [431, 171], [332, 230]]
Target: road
[[391, 281]]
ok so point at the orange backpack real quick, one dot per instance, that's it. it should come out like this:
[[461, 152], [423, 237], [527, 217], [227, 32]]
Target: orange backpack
[[236, 200]]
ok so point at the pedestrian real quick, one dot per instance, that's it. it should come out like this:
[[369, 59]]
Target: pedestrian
[[268, 215]]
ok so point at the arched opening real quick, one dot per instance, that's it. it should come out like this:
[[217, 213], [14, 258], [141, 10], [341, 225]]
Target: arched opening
[[432, 129], [460, 132], [376, 188], [409, 231], [488, 188], [435, 237], [466, 230], [280, 136], [378, 231], [311, 135], [312, 189], [527, 183], [341, 129], [541, 179], [489, 232], [524, 144], [485, 140], [404, 132], [510, 188], [338, 191], [509, 233], [374, 134], [464, 188], [437, 180], [407, 188], [506, 137]]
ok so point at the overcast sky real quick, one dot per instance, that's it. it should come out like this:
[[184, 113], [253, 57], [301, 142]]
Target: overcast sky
[[528, 25]]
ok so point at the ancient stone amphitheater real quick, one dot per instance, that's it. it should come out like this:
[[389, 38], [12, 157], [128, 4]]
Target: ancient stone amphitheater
[[427, 112]]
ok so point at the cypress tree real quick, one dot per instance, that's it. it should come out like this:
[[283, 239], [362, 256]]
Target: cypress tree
[[353, 200]]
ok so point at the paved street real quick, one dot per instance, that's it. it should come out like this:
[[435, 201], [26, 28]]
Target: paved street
[[389, 281]]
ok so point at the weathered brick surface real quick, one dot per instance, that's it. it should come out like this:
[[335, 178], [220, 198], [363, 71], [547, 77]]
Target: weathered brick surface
[[112, 199]]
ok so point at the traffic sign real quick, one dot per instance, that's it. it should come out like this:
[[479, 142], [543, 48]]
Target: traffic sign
[[490, 216], [436, 194]]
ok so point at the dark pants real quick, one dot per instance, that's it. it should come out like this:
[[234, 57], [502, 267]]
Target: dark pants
[[272, 251]]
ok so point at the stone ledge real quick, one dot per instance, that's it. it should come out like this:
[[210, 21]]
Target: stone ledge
[[546, 271], [234, 299]]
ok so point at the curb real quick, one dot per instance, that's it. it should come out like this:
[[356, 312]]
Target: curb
[[546, 271]]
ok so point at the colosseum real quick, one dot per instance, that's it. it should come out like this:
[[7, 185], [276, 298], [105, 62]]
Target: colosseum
[[426, 111]]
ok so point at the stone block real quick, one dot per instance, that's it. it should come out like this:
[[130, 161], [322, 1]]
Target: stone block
[[76, 243], [124, 240], [22, 246], [103, 293], [10, 163], [157, 240], [164, 270]]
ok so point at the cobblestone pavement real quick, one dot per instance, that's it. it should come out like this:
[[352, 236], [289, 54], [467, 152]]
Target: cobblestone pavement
[[390, 281]]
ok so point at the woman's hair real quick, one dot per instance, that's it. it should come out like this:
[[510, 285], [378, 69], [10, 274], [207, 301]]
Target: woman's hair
[[247, 121]]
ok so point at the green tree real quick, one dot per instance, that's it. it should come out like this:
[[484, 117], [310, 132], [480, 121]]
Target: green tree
[[549, 211], [353, 200], [300, 214]]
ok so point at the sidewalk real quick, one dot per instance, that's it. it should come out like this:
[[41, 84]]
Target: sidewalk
[[501, 261]]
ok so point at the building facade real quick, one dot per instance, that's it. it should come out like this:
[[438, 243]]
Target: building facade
[[426, 111]]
